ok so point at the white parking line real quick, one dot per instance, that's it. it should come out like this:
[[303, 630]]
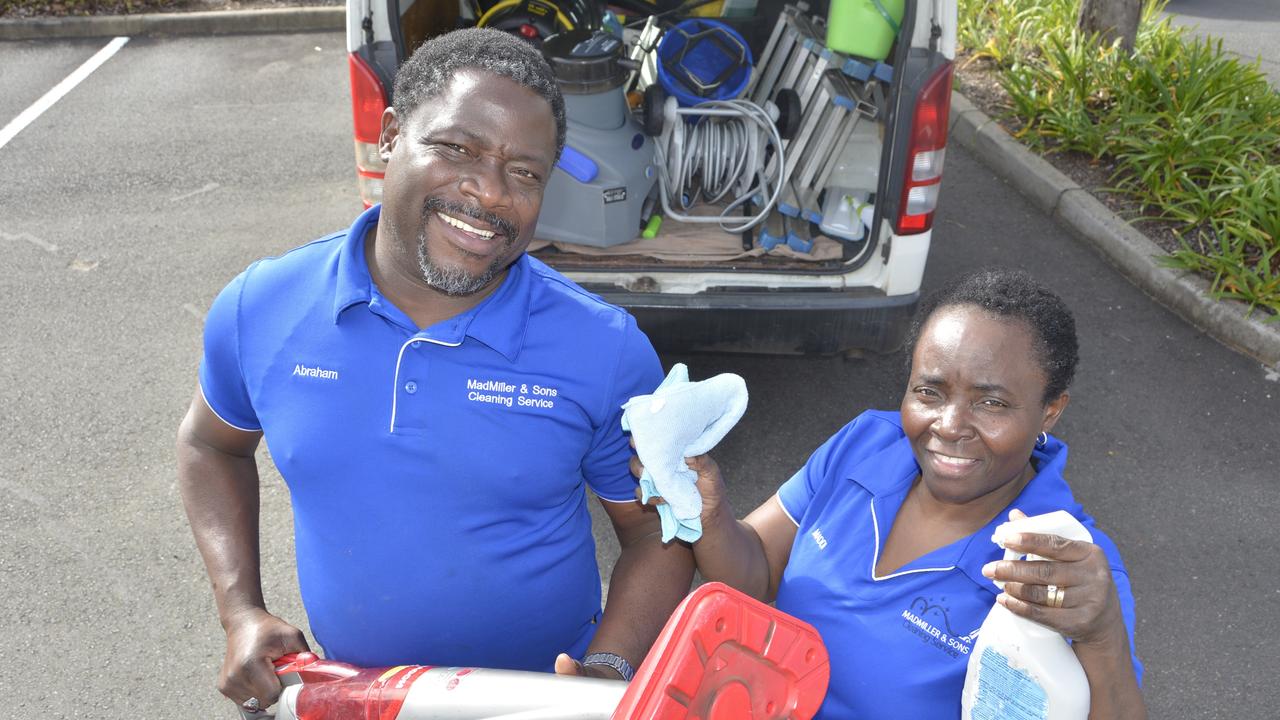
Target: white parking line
[[207, 188], [42, 244], [24, 119]]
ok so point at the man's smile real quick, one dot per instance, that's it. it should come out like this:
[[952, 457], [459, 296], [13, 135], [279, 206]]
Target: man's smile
[[461, 225]]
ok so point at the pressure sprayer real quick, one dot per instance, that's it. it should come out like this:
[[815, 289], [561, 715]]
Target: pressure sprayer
[[1020, 668], [721, 656]]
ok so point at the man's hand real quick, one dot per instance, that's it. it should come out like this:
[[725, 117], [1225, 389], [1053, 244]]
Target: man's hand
[[255, 638], [566, 665]]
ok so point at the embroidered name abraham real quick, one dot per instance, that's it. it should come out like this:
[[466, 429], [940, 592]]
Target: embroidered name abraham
[[315, 372]]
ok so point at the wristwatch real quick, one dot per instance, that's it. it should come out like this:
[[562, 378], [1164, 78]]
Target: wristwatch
[[617, 662]]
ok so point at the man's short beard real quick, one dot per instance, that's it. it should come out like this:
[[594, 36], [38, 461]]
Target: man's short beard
[[455, 281]]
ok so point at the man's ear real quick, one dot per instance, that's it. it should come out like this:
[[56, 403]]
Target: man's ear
[[1053, 411], [389, 134]]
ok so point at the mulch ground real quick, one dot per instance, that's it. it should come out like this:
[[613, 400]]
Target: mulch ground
[[976, 79]]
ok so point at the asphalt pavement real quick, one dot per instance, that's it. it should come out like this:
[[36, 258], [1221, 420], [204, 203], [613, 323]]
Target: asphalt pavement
[[1248, 28], [130, 202]]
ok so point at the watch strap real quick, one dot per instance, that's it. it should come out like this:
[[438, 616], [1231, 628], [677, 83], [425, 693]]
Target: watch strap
[[617, 662]]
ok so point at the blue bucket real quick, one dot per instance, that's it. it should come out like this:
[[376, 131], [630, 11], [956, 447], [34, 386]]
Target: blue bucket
[[701, 60]]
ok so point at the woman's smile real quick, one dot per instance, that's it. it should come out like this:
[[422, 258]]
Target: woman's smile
[[952, 464]]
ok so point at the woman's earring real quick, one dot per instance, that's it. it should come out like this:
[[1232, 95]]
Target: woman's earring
[[1042, 439]]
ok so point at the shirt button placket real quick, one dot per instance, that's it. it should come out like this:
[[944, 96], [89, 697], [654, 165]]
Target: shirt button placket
[[409, 413]]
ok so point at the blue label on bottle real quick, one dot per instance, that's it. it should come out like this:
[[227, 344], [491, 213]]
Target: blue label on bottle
[[1007, 693]]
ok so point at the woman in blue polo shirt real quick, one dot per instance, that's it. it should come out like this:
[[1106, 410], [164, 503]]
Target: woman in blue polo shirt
[[883, 539]]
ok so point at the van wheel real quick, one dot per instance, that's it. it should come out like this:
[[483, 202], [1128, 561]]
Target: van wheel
[[788, 102], [654, 100]]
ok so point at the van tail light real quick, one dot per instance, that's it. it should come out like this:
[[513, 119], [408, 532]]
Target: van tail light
[[925, 153], [368, 100]]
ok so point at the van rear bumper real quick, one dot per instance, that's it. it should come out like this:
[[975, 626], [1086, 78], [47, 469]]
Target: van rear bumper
[[820, 322]]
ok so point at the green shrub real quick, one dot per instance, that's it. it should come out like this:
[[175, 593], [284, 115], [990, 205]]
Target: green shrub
[[1193, 133], [31, 8]]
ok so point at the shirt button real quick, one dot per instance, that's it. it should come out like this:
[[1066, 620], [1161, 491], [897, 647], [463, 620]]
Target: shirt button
[[411, 387]]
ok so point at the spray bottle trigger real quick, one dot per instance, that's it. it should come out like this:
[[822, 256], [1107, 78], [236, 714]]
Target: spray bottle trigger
[[1058, 522]]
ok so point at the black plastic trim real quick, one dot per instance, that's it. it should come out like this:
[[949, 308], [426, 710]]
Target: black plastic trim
[[776, 322]]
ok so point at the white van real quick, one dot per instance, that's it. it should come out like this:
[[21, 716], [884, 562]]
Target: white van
[[849, 298]]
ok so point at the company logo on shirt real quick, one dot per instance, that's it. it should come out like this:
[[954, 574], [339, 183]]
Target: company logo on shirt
[[930, 622], [507, 394], [818, 538], [300, 370]]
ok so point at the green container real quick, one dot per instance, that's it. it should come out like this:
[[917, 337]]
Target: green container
[[865, 28]]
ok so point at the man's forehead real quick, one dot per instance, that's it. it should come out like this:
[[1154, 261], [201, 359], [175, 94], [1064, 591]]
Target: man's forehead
[[473, 86], [480, 84]]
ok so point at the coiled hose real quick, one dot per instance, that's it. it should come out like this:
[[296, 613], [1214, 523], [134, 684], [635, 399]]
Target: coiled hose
[[732, 150]]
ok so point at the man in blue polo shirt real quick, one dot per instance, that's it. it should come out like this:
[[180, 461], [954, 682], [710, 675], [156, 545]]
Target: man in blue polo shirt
[[436, 401]]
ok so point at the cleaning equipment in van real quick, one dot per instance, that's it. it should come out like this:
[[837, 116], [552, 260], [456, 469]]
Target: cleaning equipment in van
[[721, 656], [1020, 668], [644, 55], [789, 33], [799, 234], [677, 420], [865, 28], [797, 55], [596, 194], [855, 176], [537, 20], [718, 157], [846, 213], [832, 116], [701, 60], [835, 92]]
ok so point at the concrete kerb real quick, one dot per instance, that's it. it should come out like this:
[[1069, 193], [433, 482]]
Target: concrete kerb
[[215, 22], [1133, 253]]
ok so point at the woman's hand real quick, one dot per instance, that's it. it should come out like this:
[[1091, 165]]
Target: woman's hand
[[710, 484], [1090, 606]]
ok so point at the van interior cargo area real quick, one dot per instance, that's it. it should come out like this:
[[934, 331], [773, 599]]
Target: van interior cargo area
[[687, 246], [834, 135]]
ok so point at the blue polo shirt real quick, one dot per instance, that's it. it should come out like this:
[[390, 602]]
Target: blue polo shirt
[[437, 475], [900, 643]]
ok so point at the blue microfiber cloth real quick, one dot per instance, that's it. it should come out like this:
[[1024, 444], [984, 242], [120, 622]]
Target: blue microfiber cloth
[[681, 419]]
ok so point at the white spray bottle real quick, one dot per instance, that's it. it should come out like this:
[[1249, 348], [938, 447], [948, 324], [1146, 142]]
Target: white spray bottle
[[1020, 669]]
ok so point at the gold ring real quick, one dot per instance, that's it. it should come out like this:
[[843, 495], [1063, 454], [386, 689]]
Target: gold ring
[[1056, 596]]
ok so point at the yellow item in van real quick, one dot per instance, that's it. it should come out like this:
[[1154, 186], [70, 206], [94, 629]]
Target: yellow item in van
[[711, 9]]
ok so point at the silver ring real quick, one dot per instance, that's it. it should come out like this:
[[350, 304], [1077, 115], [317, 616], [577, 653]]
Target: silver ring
[[252, 704]]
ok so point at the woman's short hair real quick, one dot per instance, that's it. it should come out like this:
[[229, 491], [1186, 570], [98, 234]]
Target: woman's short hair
[[1014, 295]]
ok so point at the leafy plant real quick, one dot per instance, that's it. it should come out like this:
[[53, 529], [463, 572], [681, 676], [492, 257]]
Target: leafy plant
[[1192, 132]]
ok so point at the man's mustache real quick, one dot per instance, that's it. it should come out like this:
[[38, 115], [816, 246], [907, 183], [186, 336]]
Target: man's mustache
[[457, 209]]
